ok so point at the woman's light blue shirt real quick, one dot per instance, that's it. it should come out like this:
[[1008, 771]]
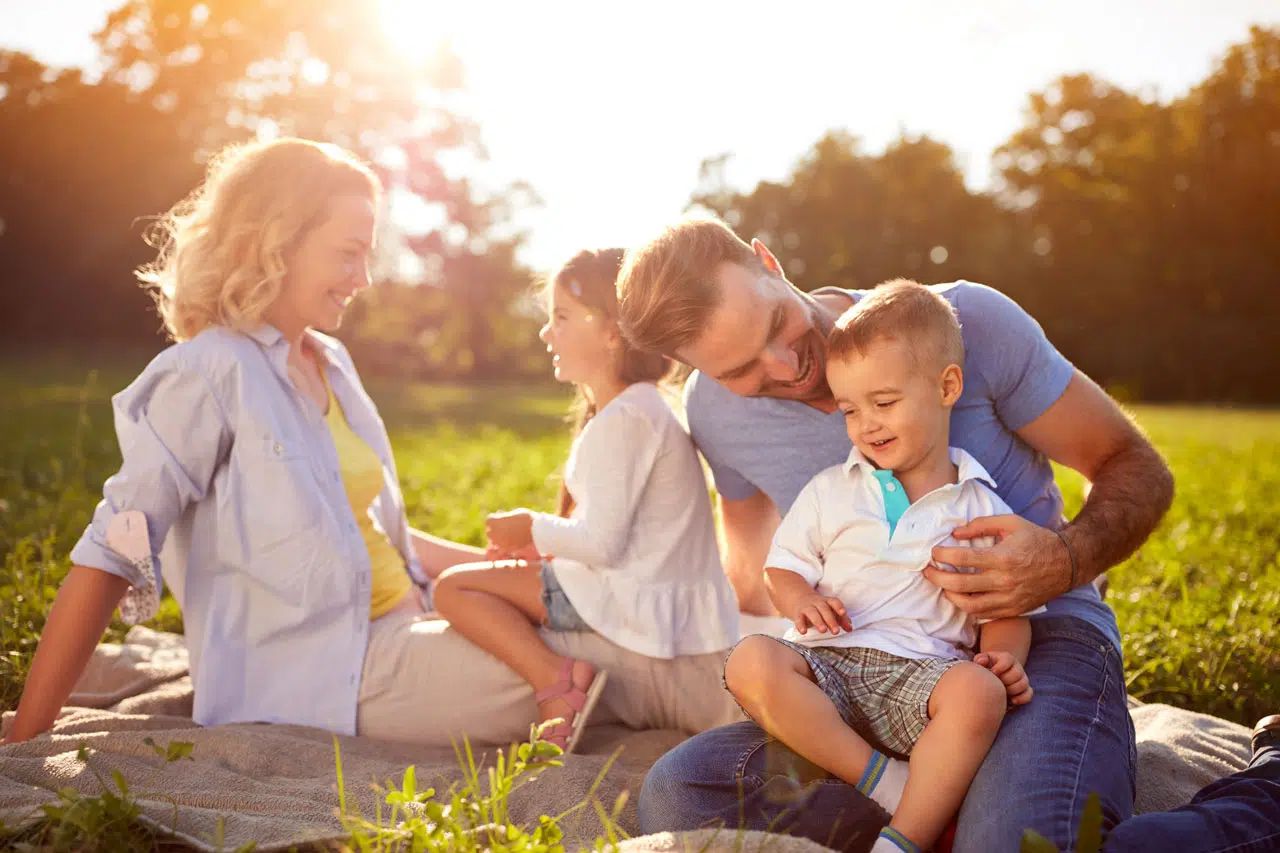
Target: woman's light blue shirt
[[238, 477]]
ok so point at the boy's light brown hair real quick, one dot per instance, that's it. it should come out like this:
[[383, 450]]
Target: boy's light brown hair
[[905, 310], [667, 288]]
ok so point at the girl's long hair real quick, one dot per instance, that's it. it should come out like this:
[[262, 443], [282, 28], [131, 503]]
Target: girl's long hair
[[590, 278]]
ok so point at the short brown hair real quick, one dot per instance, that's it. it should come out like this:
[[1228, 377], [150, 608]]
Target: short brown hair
[[905, 310], [667, 288]]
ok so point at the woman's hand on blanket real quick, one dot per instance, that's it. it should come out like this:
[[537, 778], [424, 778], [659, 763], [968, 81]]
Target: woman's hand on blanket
[[1025, 568], [824, 613], [510, 532], [1005, 666]]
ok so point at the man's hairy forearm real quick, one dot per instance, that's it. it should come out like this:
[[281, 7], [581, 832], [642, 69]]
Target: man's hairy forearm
[[1129, 495]]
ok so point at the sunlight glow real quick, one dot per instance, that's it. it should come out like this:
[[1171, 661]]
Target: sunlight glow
[[414, 27]]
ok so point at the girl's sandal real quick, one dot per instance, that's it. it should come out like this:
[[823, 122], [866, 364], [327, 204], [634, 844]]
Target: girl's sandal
[[565, 735]]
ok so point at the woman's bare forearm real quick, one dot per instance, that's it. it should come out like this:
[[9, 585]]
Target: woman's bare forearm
[[76, 623], [437, 554]]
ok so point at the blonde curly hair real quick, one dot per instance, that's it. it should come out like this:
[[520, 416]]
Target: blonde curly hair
[[223, 250]]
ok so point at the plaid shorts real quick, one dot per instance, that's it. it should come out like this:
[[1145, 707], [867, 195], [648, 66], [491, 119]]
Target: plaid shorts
[[883, 697]]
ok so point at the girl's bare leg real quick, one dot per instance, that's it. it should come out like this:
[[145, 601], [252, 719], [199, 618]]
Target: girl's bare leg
[[498, 606]]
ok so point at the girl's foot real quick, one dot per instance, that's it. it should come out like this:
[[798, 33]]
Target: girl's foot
[[571, 698]]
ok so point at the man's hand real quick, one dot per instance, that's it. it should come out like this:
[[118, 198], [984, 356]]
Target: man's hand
[[1005, 666], [825, 613], [510, 532], [1027, 566]]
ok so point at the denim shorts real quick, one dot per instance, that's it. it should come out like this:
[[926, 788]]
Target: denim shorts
[[561, 614]]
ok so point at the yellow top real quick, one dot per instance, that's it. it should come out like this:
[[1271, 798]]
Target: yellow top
[[362, 477]]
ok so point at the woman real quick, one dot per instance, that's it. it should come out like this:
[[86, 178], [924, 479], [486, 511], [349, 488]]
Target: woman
[[252, 453]]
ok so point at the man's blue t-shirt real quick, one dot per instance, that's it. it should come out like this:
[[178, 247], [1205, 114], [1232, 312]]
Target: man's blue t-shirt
[[1012, 375]]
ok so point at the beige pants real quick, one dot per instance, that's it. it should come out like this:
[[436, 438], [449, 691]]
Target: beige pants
[[424, 683]]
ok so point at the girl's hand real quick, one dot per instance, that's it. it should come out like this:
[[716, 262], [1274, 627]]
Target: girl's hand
[[528, 555], [510, 532]]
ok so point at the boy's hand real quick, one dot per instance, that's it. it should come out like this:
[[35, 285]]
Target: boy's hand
[[826, 614], [1005, 666], [510, 532]]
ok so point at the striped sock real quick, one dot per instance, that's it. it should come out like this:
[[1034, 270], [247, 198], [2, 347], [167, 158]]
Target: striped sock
[[892, 841], [884, 780]]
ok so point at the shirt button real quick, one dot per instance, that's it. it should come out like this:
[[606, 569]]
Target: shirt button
[[277, 448], [890, 487]]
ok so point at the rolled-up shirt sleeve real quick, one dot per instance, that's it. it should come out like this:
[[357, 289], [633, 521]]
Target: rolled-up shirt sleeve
[[798, 542], [173, 435]]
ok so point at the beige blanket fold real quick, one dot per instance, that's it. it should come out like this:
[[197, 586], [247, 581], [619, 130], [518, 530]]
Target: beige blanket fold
[[276, 784]]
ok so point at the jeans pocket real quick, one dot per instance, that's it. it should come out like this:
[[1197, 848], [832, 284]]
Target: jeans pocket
[[1071, 645]]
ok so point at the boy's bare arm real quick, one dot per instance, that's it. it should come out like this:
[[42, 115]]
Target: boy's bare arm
[[1003, 648], [1007, 635], [804, 605]]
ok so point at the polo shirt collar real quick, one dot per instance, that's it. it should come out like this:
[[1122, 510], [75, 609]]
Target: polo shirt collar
[[968, 468]]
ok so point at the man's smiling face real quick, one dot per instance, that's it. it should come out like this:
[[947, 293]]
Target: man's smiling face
[[762, 339]]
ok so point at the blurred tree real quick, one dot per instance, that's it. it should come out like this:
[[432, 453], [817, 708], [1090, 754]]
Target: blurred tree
[[1158, 227], [1085, 172], [1144, 235], [1229, 232], [844, 218], [79, 164], [212, 73]]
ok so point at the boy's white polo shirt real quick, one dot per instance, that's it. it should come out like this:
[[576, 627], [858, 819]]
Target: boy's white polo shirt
[[839, 538]]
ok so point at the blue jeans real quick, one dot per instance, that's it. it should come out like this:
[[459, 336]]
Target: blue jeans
[[1075, 737], [1240, 814]]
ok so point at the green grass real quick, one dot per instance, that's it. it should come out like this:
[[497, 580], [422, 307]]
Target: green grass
[[1197, 605]]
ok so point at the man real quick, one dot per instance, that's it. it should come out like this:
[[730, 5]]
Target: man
[[760, 411]]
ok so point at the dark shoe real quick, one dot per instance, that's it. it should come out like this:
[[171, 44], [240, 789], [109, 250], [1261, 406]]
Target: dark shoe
[[1266, 733]]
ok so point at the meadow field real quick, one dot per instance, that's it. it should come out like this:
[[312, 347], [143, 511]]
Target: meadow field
[[1198, 605]]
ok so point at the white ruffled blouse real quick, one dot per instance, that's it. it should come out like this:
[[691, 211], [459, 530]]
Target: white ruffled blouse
[[638, 557]]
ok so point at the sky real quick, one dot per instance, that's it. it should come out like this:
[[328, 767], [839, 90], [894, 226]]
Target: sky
[[607, 109]]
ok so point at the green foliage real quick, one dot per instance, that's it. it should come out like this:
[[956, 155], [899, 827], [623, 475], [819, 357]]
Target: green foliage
[[1141, 234], [473, 815], [1088, 837], [1196, 604], [85, 166], [106, 823]]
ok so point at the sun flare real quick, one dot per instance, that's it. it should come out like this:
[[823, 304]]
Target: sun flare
[[414, 27]]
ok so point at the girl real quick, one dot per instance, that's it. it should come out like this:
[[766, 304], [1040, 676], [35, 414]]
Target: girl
[[635, 557]]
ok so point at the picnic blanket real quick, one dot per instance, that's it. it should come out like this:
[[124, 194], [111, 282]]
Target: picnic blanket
[[277, 784]]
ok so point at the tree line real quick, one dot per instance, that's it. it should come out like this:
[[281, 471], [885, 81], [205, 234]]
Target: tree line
[[1143, 234]]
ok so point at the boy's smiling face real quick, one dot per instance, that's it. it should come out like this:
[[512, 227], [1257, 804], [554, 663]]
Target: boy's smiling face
[[897, 406]]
